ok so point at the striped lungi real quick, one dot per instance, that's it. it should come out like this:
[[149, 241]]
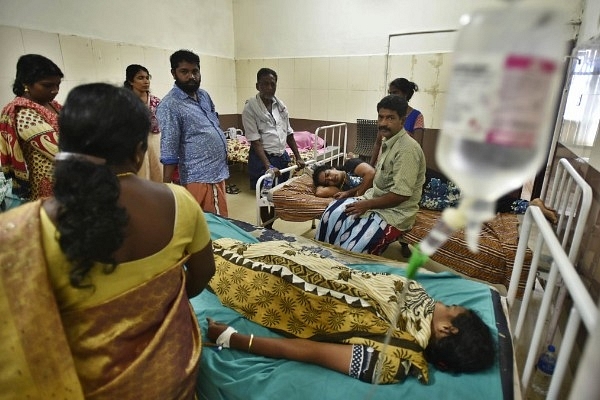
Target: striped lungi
[[368, 234]]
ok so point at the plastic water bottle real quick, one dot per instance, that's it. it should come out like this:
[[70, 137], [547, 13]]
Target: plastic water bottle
[[543, 374], [267, 183], [499, 113]]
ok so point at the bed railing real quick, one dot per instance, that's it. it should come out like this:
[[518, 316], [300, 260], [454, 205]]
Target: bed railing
[[536, 229], [335, 137], [571, 197]]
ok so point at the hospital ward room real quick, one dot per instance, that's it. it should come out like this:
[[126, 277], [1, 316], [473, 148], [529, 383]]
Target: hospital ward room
[[302, 200]]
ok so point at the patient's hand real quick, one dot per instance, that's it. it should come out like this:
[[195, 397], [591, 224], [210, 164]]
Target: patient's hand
[[215, 329], [343, 195]]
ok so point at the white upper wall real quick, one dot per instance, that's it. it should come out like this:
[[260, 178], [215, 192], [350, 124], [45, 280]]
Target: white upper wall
[[331, 54], [263, 28], [204, 26], [316, 28]]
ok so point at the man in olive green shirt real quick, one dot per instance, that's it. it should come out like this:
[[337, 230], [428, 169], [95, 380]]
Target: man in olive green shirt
[[368, 224]]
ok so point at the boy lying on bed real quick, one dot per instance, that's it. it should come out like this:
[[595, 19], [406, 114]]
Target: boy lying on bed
[[339, 316]]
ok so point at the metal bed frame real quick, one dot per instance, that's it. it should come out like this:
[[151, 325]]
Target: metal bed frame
[[571, 197], [336, 139], [583, 312]]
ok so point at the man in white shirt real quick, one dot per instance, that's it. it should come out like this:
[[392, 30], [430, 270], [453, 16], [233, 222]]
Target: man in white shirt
[[267, 127]]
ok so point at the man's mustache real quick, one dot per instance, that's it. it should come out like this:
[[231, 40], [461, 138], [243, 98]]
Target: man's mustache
[[383, 128]]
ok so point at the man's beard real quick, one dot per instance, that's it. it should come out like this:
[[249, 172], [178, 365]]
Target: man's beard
[[190, 86]]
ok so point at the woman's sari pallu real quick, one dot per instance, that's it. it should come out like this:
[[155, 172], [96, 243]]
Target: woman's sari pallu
[[129, 347]]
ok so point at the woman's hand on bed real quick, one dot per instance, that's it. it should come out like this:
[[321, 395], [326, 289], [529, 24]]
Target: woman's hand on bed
[[300, 163]]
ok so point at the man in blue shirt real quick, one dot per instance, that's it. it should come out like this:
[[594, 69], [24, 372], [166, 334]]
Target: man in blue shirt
[[192, 137]]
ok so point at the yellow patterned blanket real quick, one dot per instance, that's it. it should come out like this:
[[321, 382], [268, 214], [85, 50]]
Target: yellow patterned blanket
[[297, 293]]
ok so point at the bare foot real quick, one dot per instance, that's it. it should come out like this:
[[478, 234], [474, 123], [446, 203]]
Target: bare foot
[[549, 213], [215, 329]]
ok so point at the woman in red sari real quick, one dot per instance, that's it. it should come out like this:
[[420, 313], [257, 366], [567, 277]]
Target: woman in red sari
[[29, 127]]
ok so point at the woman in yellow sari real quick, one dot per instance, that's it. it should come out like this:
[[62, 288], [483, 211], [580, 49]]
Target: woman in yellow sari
[[29, 127], [97, 278]]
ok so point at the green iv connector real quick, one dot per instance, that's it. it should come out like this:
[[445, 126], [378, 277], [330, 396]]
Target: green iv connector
[[416, 261]]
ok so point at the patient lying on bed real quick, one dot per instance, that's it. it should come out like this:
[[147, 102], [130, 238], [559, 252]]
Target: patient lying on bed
[[339, 316], [351, 179]]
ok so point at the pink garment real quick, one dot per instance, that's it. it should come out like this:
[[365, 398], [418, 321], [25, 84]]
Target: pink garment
[[304, 140], [153, 103]]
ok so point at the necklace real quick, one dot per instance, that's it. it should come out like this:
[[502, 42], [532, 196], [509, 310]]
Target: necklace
[[343, 180], [124, 174]]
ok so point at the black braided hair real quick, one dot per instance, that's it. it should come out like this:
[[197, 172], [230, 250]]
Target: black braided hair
[[106, 122]]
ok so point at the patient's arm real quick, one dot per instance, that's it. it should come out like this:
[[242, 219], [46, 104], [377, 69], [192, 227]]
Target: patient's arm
[[333, 356], [388, 200], [367, 173], [326, 191]]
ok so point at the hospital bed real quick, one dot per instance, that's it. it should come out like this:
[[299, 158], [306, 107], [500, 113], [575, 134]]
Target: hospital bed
[[238, 146], [231, 374], [329, 147], [296, 201]]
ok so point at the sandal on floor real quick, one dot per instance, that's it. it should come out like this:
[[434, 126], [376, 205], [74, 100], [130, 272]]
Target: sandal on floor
[[232, 189]]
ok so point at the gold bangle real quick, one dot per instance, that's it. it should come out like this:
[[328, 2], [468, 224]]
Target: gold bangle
[[250, 342]]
